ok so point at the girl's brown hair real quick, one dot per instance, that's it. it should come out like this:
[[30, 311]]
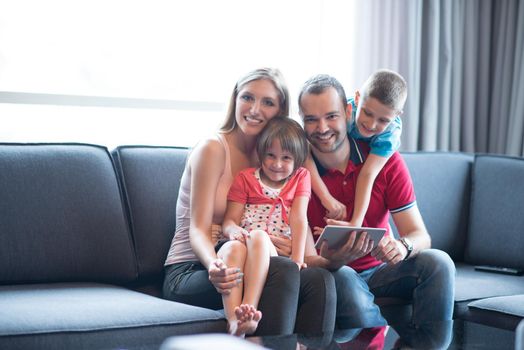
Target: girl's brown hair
[[291, 136]]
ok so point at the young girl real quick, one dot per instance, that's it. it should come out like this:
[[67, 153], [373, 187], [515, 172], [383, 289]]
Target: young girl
[[380, 125], [270, 200]]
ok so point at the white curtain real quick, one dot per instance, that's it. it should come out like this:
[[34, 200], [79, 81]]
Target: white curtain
[[463, 61]]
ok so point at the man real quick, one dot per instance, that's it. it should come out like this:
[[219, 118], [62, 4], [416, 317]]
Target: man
[[403, 268]]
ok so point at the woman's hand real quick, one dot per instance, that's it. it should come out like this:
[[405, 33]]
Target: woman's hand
[[282, 245], [238, 233], [222, 277], [301, 265]]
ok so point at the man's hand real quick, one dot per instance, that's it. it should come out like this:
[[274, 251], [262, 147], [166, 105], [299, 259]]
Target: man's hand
[[389, 250], [282, 245], [317, 230], [222, 277], [353, 249]]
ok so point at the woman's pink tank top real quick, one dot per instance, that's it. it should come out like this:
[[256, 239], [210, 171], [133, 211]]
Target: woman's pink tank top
[[180, 250]]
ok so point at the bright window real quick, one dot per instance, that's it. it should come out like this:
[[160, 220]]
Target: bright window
[[153, 72]]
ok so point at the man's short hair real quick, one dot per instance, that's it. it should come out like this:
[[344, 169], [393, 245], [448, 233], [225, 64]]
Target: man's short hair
[[388, 87], [320, 83]]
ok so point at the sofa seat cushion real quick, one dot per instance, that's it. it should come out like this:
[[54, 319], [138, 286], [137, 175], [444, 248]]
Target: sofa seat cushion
[[471, 284], [81, 307], [511, 304]]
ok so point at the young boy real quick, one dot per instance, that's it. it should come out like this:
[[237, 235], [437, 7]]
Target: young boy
[[376, 121]]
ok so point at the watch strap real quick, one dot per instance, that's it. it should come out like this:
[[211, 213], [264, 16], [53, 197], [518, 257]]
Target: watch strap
[[409, 247]]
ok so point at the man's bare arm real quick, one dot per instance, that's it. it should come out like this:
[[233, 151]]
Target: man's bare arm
[[411, 226]]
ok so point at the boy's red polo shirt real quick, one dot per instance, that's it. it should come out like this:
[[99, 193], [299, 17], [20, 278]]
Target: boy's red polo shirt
[[392, 192]]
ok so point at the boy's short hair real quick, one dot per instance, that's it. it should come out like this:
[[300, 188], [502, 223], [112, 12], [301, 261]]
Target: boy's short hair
[[388, 87], [318, 84], [291, 136]]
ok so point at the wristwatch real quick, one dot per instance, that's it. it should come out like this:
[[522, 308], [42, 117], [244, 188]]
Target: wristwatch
[[409, 246]]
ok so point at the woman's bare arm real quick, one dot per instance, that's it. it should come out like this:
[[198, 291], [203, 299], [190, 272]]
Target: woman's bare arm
[[207, 163], [230, 226]]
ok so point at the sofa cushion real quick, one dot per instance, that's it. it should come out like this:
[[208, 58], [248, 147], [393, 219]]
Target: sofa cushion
[[82, 307], [442, 186], [511, 304], [151, 177], [496, 221], [62, 216], [471, 284]]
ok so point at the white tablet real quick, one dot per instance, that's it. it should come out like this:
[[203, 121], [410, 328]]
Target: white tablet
[[337, 236]]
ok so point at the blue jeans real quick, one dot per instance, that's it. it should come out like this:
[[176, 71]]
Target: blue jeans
[[427, 280]]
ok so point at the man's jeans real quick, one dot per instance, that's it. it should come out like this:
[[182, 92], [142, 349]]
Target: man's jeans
[[427, 280]]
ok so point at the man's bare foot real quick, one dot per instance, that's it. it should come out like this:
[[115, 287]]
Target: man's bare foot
[[247, 320]]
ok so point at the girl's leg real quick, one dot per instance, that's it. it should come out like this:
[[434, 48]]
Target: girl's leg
[[255, 273], [233, 253], [256, 267]]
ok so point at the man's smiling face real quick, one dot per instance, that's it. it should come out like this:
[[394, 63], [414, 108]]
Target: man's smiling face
[[325, 119]]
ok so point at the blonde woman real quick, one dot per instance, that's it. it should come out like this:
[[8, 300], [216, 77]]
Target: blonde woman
[[194, 273]]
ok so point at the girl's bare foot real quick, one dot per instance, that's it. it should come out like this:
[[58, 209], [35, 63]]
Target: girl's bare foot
[[232, 327], [247, 320]]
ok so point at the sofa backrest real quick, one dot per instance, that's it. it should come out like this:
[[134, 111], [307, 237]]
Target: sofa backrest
[[442, 182], [496, 225], [151, 178], [62, 216]]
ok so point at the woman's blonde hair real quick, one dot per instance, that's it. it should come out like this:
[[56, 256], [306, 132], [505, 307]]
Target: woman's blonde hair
[[291, 136], [271, 74]]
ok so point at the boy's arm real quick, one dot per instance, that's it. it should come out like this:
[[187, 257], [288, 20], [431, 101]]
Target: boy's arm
[[335, 209], [371, 168], [298, 225], [232, 217]]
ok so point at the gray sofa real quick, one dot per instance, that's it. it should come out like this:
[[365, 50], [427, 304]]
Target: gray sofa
[[473, 207], [84, 234], [82, 248]]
